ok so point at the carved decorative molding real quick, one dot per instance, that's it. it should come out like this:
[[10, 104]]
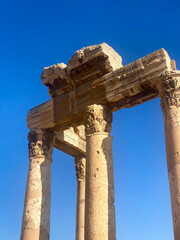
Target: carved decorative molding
[[80, 168], [40, 143], [98, 118], [170, 90]]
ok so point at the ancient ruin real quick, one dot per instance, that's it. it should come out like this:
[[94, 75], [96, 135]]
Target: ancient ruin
[[78, 119]]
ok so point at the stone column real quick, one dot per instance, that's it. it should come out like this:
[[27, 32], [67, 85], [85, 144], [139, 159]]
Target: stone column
[[170, 102], [80, 207], [36, 215], [99, 197]]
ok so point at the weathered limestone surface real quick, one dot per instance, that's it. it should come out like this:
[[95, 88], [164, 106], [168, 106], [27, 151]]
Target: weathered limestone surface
[[124, 87], [72, 141], [55, 78], [137, 78], [36, 215], [170, 102], [85, 65], [80, 204], [99, 200], [92, 62]]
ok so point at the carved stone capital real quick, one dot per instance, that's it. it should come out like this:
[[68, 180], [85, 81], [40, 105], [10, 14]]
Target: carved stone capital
[[40, 143], [98, 118], [80, 168], [170, 90]]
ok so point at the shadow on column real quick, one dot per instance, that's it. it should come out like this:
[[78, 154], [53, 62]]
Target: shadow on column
[[46, 199], [107, 150]]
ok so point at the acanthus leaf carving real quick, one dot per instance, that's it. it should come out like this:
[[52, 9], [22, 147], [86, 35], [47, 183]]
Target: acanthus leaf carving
[[80, 168], [40, 143], [170, 90], [98, 118]]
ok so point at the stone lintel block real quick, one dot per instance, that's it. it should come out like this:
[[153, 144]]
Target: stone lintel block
[[86, 64], [72, 141], [139, 76], [92, 62]]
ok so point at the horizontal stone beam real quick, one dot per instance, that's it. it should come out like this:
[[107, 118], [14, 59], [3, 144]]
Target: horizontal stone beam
[[138, 81], [72, 141], [126, 86]]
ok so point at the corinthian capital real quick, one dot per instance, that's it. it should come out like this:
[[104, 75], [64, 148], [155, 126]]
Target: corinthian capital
[[170, 90], [98, 118], [40, 143], [80, 168]]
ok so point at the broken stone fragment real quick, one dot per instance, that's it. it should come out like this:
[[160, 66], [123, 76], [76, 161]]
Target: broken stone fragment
[[55, 78], [91, 62], [85, 65]]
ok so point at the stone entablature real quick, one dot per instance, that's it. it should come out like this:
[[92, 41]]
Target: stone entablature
[[123, 87]]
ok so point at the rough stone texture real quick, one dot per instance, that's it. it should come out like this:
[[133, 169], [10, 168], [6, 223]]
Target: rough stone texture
[[127, 86], [80, 168], [170, 91], [55, 78], [92, 62], [97, 120], [99, 201], [40, 143], [80, 205], [36, 215], [86, 64], [137, 81], [170, 102]]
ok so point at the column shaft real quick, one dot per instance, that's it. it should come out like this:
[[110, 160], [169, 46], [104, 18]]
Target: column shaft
[[170, 102], [99, 199], [36, 215], [80, 206]]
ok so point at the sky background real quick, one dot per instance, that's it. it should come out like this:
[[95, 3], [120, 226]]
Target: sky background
[[36, 34]]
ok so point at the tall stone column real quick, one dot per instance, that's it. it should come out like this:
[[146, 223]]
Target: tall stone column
[[80, 207], [170, 102], [99, 197], [36, 215]]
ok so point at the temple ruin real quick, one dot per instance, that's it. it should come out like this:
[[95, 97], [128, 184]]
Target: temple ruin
[[78, 119]]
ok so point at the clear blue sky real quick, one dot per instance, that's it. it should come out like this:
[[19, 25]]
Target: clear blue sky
[[35, 34]]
